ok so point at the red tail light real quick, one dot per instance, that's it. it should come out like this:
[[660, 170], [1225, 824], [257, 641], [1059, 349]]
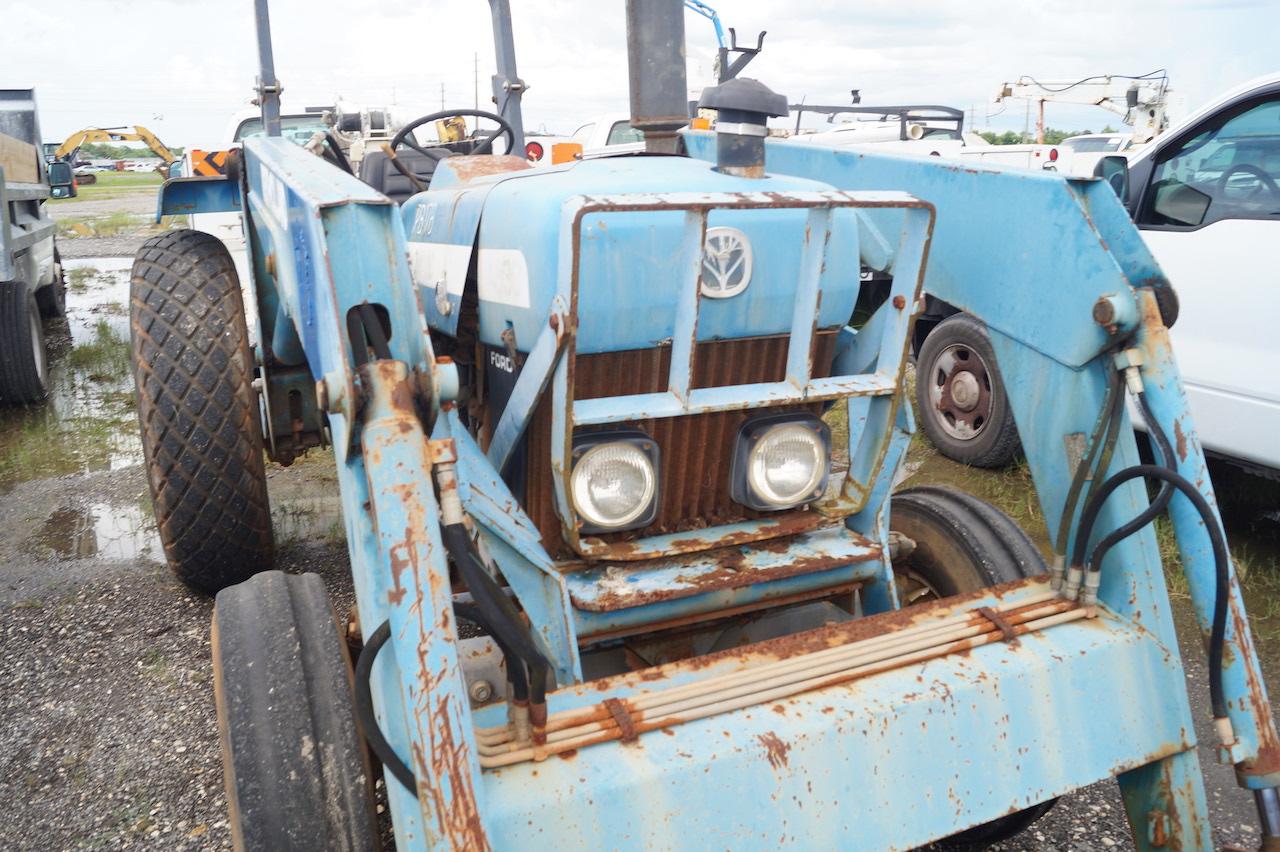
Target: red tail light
[[1053, 155], [533, 151]]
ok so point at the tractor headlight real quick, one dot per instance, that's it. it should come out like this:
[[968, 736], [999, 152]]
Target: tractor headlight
[[614, 484], [782, 461]]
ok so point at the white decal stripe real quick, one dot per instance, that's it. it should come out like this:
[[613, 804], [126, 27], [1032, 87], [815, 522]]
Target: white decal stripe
[[504, 277], [429, 263]]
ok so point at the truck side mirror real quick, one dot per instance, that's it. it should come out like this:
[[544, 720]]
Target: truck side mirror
[[60, 174], [1115, 171], [62, 181]]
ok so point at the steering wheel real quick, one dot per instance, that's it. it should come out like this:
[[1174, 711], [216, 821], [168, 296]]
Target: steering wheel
[[1265, 180], [405, 136]]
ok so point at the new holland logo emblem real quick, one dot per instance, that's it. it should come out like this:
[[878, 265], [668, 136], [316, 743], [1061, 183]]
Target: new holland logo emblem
[[726, 263]]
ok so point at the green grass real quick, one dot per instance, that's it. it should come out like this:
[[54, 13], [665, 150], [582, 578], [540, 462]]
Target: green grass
[[107, 352], [114, 185], [78, 279]]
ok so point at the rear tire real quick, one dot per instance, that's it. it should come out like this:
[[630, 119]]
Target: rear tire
[[293, 760], [962, 545], [961, 401], [24, 360], [201, 432], [52, 297]]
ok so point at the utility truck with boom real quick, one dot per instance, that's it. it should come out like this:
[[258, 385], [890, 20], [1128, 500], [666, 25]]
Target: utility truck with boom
[[617, 479]]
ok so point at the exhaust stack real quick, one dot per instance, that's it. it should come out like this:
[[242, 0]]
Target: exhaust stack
[[656, 66]]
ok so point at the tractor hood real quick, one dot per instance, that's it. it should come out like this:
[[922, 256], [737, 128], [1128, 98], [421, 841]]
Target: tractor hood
[[502, 239]]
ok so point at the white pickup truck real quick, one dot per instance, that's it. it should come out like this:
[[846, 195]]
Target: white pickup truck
[[610, 133], [1206, 197]]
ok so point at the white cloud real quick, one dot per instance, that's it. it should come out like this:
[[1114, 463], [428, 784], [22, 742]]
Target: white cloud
[[182, 67]]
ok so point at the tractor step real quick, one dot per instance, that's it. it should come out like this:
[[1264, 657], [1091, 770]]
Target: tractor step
[[836, 655]]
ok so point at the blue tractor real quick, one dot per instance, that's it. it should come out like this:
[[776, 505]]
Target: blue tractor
[[617, 483]]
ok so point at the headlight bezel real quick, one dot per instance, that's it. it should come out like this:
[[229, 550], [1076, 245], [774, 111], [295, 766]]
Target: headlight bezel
[[583, 444], [750, 435]]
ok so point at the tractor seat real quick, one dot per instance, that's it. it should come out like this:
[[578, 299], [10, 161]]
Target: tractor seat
[[377, 170]]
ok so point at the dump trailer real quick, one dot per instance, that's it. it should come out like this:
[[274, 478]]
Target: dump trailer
[[32, 288], [617, 484]]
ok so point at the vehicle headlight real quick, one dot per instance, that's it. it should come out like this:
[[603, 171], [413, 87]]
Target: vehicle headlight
[[614, 484], [782, 461]]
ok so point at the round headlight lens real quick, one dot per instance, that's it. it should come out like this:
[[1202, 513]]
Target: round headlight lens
[[787, 463], [613, 484]]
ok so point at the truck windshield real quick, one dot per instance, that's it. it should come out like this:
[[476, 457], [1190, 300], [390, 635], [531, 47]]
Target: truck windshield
[[295, 128]]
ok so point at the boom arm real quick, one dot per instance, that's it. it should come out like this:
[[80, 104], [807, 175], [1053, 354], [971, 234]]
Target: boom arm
[[1139, 101], [73, 143]]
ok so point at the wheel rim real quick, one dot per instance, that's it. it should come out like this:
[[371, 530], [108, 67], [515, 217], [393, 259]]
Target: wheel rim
[[912, 587], [37, 346], [960, 392]]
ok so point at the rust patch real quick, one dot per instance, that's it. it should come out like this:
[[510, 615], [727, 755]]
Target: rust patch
[[1267, 761], [622, 718], [899, 301], [483, 165], [1180, 440], [729, 575], [775, 750]]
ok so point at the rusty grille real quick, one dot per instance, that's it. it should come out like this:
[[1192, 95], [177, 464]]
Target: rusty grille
[[697, 450]]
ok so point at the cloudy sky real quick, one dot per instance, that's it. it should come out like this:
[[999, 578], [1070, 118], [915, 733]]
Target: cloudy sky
[[182, 67]]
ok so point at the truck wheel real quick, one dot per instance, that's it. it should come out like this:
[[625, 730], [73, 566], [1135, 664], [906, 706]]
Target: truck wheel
[[962, 544], [201, 434], [24, 362], [293, 761], [52, 297], [963, 407]]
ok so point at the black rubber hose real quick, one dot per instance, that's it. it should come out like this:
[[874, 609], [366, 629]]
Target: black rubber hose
[[1217, 636], [1165, 449], [339, 158], [1085, 466], [374, 332], [364, 711], [515, 666], [497, 609], [1080, 545]]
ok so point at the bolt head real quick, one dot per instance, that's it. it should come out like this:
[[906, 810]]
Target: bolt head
[[480, 691]]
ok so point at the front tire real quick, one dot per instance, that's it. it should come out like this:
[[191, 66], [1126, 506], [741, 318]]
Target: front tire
[[962, 544], [961, 401], [295, 768], [201, 433], [24, 360]]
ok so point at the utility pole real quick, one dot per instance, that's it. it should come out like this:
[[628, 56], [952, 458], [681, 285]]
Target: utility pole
[[1040, 124]]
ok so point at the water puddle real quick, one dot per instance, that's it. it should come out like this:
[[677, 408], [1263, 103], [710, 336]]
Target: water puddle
[[101, 530], [89, 421]]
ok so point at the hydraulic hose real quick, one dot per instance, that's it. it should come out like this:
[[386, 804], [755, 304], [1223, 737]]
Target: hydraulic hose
[[1217, 636], [1086, 464], [1157, 507], [499, 613], [514, 665], [368, 720]]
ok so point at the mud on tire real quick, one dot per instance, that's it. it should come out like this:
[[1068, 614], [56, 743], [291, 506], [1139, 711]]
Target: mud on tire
[[198, 411]]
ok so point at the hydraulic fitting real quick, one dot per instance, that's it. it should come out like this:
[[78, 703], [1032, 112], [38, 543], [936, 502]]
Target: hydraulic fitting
[[1072, 589], [1089, 595], [1057, 571]]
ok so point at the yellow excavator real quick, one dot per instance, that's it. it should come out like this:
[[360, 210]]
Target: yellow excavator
[[71, 146]]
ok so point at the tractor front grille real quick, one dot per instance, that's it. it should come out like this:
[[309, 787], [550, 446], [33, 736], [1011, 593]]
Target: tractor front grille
[[697, 450]]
